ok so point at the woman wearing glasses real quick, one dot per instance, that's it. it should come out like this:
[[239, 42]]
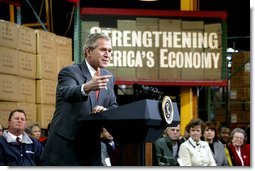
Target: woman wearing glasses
[[240, 155]]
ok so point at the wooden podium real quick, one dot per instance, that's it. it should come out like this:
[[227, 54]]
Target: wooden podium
[[135, 125]]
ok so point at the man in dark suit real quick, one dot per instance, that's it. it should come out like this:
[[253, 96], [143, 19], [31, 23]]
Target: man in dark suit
[[71, 143]]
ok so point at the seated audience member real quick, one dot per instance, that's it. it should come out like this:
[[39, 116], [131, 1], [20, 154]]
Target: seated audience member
[[237, 149], [111, 147], [224, 138], [166, 148], [216, 147], [104, 155], [16, 147], [43, 140], [194, 151], [36, 132]]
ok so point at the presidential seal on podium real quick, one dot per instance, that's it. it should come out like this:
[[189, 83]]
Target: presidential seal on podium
[[167, 109]]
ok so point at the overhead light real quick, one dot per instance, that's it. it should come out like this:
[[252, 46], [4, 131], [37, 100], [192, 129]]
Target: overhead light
[[231, 50]]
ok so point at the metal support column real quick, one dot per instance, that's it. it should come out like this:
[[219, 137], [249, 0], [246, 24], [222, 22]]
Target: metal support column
[[188, 106], [188, 97], [77, 35]]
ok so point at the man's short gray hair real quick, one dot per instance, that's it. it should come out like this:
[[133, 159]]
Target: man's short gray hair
[[92, 39]]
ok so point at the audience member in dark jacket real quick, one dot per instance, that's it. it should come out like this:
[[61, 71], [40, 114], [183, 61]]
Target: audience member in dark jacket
[[16, 147], [166, 148]]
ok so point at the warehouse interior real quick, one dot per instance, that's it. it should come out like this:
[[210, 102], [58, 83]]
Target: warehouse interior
[[62, 23], [225, 100]]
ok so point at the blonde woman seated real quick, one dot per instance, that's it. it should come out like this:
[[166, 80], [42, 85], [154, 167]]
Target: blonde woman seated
[[194, 151]]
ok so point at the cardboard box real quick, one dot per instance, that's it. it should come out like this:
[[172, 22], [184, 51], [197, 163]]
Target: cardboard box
[[46, 91], [8, 34], [191, 72], [45, 43], [63, 63], [64, 48], [5, 110], [27, 65], [46, 67], [213, 73], [240, 93], [30, 109], [7, 107], [239, 116], [240, 57], [26, 90], [8, 61], [45, 114], [9, 87], [168, 71], [215, 28], [170, 25], [193, 25], [241, 79], [86, 27], [241, 67], [26, 39], [141, 21]]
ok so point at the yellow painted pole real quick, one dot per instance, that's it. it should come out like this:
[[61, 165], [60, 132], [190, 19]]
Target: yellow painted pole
[[189, 5], [11, 9], [188, 97], [187, 107]]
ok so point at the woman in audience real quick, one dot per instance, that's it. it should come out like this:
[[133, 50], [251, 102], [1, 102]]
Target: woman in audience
[[216, 147], [195, 152], [239, 153]]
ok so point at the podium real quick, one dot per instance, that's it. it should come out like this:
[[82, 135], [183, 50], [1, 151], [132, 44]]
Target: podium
[[135, 123]]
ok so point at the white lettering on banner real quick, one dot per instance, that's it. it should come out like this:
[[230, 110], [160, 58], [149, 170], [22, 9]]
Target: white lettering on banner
[[169, 39], [167, 58], [188, 59], [132, 59]]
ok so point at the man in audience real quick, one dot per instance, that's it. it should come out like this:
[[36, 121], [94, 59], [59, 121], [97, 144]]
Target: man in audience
[[16, 147], [166, 148]]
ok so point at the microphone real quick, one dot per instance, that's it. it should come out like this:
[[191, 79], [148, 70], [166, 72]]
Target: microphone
[[145, 92]]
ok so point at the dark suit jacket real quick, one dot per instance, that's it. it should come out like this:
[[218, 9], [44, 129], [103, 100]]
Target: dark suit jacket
[[69, 141]]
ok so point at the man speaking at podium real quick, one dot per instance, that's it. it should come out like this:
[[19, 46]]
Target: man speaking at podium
[[83, 89]]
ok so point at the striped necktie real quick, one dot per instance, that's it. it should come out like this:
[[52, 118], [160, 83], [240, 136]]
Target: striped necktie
[[18, 140]]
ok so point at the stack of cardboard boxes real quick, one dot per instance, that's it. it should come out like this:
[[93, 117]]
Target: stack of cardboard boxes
[[239, 93], [29, 63], [240, 88]]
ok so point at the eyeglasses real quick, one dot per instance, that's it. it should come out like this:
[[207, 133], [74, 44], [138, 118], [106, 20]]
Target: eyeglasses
[[238, 138]]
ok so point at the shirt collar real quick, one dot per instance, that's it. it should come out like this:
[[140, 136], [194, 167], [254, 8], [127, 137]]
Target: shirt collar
[[193, 143], [92, 71], [14, 136]]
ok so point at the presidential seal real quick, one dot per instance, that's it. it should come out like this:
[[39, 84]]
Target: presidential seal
[[167, 109]]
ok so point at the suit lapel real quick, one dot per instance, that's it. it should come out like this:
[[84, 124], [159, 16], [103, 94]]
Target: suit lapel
[[87, 76]]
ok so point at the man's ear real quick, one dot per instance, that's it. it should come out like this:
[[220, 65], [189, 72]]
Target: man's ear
[[87, 52]]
